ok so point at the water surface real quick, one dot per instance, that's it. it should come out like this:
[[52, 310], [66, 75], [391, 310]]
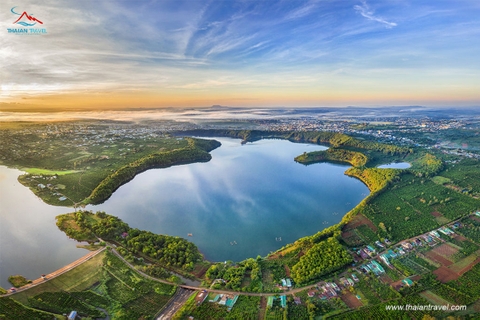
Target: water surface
[[395, 165], [248, 200], [30, 242]]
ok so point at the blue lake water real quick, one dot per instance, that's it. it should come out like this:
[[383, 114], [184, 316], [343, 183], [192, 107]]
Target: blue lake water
[[395, 165], [248, 200]]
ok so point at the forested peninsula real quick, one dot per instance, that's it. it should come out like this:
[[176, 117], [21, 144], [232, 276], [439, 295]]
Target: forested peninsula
[[196, 151], [174, 252]]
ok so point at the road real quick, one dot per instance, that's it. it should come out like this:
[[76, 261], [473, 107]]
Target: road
[[177, 301]]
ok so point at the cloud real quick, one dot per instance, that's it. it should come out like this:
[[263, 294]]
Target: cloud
[[365, 11]]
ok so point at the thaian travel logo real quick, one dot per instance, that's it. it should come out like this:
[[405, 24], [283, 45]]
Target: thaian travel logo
[[27, 17], [25, 20]]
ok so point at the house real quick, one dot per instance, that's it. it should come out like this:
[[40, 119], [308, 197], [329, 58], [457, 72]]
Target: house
[[228, 300], [370, 250], [407, 282], [335, 287], [363, 254], [311, 293], [384, 258], [376, 267], [446, 231], [72, 315], [297, 300], [435, 234], [289, 283], [392, 254], [201, 297], [379, 244], [286, 283], [350, 282], [355, 278]]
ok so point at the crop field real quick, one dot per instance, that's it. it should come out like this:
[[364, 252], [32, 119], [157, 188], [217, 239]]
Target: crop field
[[275, 313], [469, 283], [445, 275], [416, 265], [432, 255], [77, 279], [465, 175], [11, 309], [406, 209], [445, 250], [351, 301], [359, 231], [465, 264], [379, 311], [68, 161], [450, 293], [470, 229], [434, 299], [118, 289]]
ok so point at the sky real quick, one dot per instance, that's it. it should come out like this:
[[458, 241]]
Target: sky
[[273, 53]]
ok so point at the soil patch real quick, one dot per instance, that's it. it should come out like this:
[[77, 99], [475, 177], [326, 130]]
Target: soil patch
[[386, 279], [445, 275], [263, 307], [470, 266], [351, 300], [459, 237], [359, 220], [445, 250], [351, 238], [287, 270], [200, 271], [436, 214], [438, 258]]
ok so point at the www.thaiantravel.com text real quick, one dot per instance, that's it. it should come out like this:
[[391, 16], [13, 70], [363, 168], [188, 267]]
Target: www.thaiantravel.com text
[[425, 307]]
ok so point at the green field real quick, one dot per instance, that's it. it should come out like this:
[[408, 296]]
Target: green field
[[40, 171], [89, 161], [102, 282]]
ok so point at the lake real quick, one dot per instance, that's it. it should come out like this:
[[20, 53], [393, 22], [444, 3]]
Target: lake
[[248, 200], [395, 165], [30, 242]]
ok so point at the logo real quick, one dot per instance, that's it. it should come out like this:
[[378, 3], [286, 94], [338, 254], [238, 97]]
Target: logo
[[26, 20], [28, 17]]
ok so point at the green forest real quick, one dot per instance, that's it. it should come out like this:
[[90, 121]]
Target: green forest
[[170, 251]]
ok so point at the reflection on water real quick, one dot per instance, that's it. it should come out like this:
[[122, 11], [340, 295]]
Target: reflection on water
[[395, 165], [248, 200], [30, 242]]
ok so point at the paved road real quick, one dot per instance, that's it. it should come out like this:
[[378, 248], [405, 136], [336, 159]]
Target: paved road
[[177, 301]]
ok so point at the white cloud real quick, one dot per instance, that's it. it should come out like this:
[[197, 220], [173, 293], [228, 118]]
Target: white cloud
[[365, 11]]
